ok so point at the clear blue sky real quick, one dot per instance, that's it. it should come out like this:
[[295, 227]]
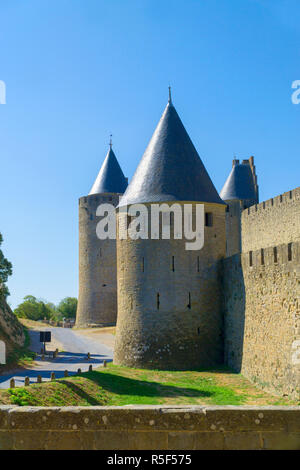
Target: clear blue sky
[[77, 70]]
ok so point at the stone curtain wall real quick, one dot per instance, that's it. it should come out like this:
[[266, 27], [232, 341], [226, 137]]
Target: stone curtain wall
[[272, 222], [150, 427], [262, 317]]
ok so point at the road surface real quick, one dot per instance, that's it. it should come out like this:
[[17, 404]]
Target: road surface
[[74, 346]]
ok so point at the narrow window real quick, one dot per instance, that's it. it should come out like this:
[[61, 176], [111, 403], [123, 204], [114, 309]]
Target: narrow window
[[143, 265], [280, 197], [275, 254], [262, 256], [100, 252], [290, 252], [291, 194], [199, 331], [173, 263], [189, 304], [250, 258], [264, 205], [208, 219], [198, 264], [157, 301], [227, 208]]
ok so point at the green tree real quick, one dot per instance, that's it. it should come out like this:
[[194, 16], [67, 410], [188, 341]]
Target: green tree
[[67, 307], [34, 309], [5, 271]]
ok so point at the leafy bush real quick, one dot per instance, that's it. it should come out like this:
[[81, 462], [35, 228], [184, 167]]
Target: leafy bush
[[67, 307], [37, 309], [34, 309], [5, 271]]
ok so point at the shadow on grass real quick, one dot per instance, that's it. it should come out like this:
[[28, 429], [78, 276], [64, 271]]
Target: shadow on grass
[[120, 385], [81, 393]]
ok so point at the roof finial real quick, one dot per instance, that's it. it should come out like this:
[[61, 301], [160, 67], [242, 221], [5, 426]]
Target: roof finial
[[170, 97], [110, 141]]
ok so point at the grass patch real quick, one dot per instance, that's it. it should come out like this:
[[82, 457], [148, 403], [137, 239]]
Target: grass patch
[[118, 386]]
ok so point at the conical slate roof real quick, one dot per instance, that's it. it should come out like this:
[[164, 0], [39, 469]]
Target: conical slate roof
[[110, 178], [239, 184], [170, 169]]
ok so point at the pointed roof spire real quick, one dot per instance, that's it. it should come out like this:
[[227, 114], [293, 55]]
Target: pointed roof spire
[[110, 178], [170, 169], [170, 96], [240, 183]]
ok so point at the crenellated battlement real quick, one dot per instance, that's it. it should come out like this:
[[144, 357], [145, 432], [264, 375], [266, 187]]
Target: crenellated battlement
[[284, 254], [277, 201], [272, 222]]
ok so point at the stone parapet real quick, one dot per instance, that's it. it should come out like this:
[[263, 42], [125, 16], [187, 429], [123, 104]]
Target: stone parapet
[[150, 427]]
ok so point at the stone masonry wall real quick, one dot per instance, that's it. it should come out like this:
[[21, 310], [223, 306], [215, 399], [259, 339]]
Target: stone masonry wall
[[262, 317], [233, 227], [272, 222], [97, 299], [150, 427], [169, 300]]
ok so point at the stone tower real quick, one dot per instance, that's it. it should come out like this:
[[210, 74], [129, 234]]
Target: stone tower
[[169, 306], [97, 299], [239, 192]]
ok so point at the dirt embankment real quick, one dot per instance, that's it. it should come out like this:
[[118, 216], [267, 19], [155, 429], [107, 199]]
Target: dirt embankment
[[12, 333], [11, 330]]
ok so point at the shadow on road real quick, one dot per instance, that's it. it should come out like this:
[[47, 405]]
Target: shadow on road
[[64, 361]]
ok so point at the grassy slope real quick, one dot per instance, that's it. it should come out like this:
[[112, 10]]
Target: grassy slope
[[121, 386]]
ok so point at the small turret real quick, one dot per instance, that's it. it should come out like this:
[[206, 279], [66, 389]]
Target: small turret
[[241, 183], [239, 192], [97, 299]]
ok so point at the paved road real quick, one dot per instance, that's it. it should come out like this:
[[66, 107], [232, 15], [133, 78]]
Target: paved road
[[74, 356]]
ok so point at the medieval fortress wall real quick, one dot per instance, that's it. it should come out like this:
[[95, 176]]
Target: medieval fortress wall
[[272, 222], [170, 310], [262, 296]]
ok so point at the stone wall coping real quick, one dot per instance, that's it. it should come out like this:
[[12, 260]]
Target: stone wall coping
[[149, 418], [139, 427]]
